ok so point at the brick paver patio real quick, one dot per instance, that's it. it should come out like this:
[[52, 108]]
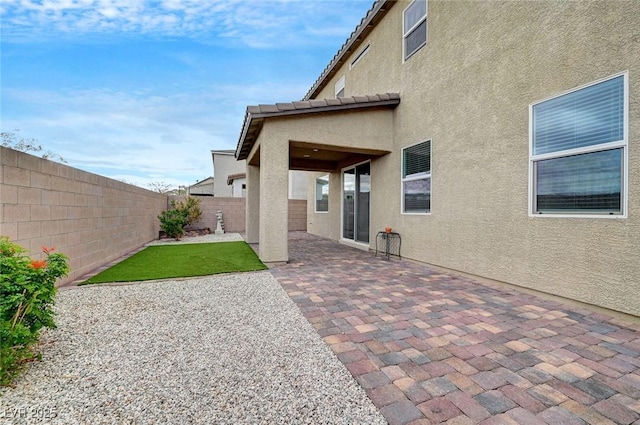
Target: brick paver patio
[[430, 347]]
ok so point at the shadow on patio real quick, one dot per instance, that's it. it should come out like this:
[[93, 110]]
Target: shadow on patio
[[431, 347]]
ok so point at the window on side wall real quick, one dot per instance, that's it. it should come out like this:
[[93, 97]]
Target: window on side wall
[[414, 27], [416, 179], [578, 151], [322, 193], [339, 87]]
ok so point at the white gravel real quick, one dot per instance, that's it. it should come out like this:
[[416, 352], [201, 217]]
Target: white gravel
[[212, 237], [225, 349]]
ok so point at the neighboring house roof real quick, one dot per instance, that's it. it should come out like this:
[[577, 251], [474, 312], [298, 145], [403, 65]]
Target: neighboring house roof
[[255, 115], [233, 177], [357, 37], [223, 152], [208, 180]]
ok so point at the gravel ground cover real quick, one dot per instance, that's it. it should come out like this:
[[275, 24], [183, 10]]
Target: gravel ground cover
[[212, 237], [225, 349]]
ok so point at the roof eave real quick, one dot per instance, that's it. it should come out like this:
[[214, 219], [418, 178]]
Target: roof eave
[[390, 100]]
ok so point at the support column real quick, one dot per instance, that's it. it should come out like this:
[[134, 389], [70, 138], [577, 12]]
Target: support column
[[274, 198], [252, 214]]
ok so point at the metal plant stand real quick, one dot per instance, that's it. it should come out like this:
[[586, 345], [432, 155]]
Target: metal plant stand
[[388, 244]]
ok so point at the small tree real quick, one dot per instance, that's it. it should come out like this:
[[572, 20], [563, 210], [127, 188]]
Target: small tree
[[10, 140], [190, 207], [184, 213], [160, 187]]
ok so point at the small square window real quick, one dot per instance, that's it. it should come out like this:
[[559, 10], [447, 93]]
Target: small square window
[[414, 27], [416, 178], [578, 150], [322, 193]]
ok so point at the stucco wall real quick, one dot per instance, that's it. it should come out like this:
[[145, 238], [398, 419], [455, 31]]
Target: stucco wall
[[223, 167], [90, 218], [468, 91]]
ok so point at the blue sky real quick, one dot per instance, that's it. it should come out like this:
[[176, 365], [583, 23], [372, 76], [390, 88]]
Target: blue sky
[[143, 90]]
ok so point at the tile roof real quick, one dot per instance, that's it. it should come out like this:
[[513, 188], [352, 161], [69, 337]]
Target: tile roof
[[256, 115]]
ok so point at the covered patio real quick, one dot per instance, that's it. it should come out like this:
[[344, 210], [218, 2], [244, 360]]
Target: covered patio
[[315, 135], [431, 347]]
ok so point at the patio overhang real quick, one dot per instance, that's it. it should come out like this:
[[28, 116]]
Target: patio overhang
[[316, 135], [256, 116]]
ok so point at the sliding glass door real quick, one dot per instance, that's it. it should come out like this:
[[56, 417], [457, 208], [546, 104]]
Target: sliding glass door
[[356, 198]]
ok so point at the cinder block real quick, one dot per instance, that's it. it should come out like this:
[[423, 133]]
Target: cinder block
[[16, 176], [40, 212], [8, 157], [66, 227], [29, 196], [50, 227], [59, 183], [58, 212], [28, 230], [40, 181], [29, 162], [51, 168], [16, 213], [50, 197], [9, 229], [9, 194]]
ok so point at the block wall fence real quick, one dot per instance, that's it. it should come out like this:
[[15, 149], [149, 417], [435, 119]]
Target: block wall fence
[[91, 218], [234, 213]]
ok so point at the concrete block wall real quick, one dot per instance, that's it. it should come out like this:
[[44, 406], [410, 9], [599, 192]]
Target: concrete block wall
[[234, 213], [90, 218], [297, 214]]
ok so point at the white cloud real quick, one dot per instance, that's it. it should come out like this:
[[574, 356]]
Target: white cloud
[[153, 137], [257, 23]]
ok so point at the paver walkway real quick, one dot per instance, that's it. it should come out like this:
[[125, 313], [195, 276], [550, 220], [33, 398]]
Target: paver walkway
[[430, 347]]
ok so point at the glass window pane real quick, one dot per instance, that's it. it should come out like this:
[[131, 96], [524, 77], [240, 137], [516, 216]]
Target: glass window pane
[[417, 159], [348, 203], [322, 193], [363, 199], [590, 182], [417, 196], [582, 118], [415, 40], [414, 13]]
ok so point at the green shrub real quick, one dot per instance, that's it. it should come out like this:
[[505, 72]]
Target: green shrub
[[172, 222], [27, 295], [190, 208], [184, 213]]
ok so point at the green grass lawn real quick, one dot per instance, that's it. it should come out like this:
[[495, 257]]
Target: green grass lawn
[[182, 260]]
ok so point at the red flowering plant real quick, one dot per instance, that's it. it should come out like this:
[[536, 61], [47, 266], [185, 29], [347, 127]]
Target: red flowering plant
[[27, 295]]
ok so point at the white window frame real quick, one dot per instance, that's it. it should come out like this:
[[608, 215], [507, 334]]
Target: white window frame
[[360, 55], [340, 86], [413, 177], [621, 144], [315, 203], [410, 30]]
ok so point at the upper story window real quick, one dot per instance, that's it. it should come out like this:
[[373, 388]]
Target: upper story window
[[416, 178], [322, 193], [359, 56], [578, 150], [414, 31], [339, 87]]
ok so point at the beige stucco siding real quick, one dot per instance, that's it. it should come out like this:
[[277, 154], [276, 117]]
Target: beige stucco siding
[[468, 91], [224, 166]]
